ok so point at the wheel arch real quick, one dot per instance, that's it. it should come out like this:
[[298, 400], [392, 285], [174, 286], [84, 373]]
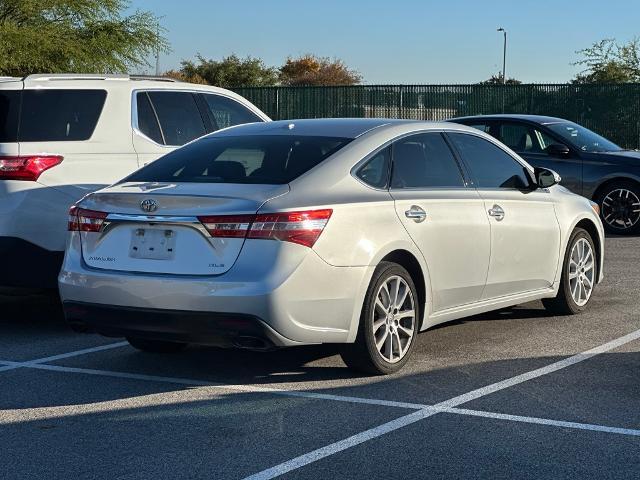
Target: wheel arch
[[592, 230], [409, 262], [611, 181]]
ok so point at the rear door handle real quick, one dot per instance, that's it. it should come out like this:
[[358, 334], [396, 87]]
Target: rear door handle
[[497, 212], [416, 214]]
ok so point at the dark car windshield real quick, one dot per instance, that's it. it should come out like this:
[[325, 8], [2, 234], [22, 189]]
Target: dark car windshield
[[265, 159], [583, 138]]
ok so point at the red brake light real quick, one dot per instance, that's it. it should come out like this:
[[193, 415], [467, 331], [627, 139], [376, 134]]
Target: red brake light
[[227, 226], [83, 220], [27, 168], [303, 228]]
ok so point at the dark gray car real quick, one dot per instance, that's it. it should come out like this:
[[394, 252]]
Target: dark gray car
[[590, 165]]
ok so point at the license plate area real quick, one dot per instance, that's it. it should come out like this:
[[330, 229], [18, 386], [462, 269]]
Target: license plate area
[[153, 244]]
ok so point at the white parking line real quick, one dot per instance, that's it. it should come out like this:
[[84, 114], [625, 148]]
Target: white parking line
[[543, 421], [13, 365], [376, 432]]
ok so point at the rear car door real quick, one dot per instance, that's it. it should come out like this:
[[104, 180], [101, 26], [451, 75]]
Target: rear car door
[[525, 234], [531, 143], [443, 216]]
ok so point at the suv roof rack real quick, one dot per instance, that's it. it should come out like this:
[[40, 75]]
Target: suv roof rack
[[153, 77], [92, 76], [76, 76]]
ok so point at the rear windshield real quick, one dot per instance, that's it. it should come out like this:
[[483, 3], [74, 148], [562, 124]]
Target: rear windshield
[[49, 115], [266, 159]]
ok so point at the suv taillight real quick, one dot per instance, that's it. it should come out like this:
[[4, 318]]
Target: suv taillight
[[83, 220], [27, 168], [303, 228]]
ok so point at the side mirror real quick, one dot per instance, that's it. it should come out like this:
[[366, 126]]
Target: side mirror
[[546, 178], [557, 150]]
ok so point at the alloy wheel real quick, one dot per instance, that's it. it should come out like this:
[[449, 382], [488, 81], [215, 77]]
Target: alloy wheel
[[394, 319], [581, 272], [621, 209]]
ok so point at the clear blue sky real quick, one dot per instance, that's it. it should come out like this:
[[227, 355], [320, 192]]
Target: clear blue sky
[[401, 41]]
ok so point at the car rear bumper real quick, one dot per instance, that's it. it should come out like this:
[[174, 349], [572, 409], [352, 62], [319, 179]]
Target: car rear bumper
[[205, 328], [289, 289], [25, 265]]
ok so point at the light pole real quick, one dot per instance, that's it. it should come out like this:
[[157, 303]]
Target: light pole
[[504, 56]]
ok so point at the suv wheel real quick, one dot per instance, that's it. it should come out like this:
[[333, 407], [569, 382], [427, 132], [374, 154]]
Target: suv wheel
[[155, 346], [579, 274], [388, 323], [620, 207]]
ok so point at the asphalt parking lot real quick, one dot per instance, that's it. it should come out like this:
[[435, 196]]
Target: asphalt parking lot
[[510, 394]]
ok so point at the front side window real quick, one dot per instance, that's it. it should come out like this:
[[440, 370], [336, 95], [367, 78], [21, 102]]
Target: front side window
[[520, 137], [147, 121], [424, 161], [258, 159], [59, 115], [490, 166], [375, 172], [225, 112], [179, 117]]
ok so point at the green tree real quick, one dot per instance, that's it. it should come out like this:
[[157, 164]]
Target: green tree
[[496, 79], [84, 36], [230, 72], [312, 70], [607, 61]]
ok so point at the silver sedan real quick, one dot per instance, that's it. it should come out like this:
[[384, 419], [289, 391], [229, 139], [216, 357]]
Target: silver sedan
[[362, 232]]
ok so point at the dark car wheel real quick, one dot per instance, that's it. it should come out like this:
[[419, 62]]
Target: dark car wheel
[[389, 323], [620, 207]]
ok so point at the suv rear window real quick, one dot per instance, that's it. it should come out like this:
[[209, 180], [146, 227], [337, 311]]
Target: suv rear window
[[49, 115], [264, 159]]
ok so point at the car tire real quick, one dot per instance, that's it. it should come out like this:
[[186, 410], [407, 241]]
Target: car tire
[[386, 336], [155, 346], [620, 202], [574, 273]]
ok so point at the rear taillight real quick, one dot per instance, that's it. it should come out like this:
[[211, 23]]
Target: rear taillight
[[303, 228], [27, 168], [83, 220]]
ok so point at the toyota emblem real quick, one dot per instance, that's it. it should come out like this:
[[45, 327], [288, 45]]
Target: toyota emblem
[[149, 205]]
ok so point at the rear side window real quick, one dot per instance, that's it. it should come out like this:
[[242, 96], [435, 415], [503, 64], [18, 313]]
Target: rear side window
[[491, 167], [375, 172], [225, 112], [179, 117], [264, 159], [424, 161], [9, 108], [59, 115], [147, 121]]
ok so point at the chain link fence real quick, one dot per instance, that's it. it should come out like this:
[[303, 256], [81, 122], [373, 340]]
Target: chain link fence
[[610, 110]]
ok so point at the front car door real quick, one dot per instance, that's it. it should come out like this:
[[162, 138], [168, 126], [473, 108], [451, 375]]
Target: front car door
[[443, 216], [531, 143], [525, 234]]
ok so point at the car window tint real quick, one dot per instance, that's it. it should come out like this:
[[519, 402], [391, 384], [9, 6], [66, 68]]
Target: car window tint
[[376, 171], [147, 122], [424, 161], [9, 108], [179, 116], [226, 112], [483, 127], [490, 166], [259, 159], [59, 115], [519, 137]]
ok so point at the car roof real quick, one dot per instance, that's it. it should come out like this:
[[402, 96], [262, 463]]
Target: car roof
[[541, 119], [333, 127]]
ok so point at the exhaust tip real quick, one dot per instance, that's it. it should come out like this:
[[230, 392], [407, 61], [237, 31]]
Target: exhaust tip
[[252, 343]]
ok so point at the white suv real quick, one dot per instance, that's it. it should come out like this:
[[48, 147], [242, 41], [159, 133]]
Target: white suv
[[63, 136]]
